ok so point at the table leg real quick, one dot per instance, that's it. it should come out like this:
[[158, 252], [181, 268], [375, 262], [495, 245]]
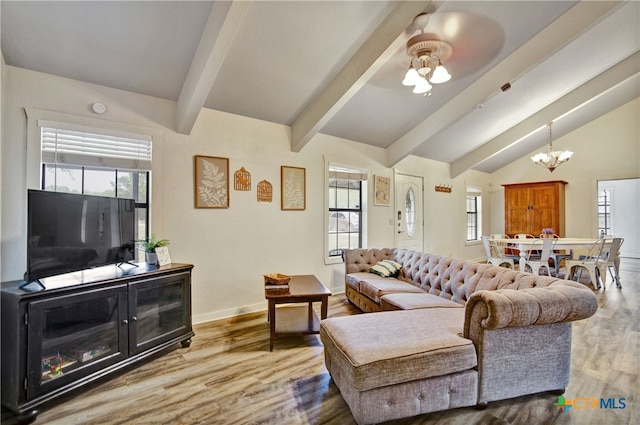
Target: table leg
[[272, 323], [323, 308]]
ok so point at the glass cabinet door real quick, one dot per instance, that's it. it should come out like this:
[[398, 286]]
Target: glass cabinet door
[[160, 310], [74, 335]]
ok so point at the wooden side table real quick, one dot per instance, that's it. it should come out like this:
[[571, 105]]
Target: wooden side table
[[296, 320]]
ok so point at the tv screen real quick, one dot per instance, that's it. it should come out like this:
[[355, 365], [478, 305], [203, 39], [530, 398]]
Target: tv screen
[[68, 232]]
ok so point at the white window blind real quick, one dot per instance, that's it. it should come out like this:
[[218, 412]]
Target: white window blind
[[337, 172], [73, 147]]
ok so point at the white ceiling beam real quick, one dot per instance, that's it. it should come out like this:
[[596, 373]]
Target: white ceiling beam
[[554, 36], [369, 58], [567, 104], [221, 29]]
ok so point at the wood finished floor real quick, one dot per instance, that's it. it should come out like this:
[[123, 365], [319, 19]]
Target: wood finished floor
[[228, 376]]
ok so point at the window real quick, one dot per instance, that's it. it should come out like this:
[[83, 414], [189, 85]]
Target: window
[[410, 213], [346, 195], [98, 164], [474, 218], [604, 211]]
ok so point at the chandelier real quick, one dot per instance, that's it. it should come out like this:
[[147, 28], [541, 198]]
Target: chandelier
[[551, 159], [425, 66]]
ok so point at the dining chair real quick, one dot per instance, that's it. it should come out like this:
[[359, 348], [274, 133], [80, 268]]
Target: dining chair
[[495, 255], [531, 254], [506, 250], [543, 261], [593, 263], [559, 255], [612, 258]]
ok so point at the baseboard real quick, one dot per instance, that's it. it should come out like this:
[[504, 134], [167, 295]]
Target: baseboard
[[231, 312]]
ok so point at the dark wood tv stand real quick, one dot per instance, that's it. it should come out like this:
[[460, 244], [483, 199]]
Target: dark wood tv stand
[[87, 325]]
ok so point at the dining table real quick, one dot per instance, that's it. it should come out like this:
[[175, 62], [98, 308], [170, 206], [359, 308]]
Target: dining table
[[530, 244]]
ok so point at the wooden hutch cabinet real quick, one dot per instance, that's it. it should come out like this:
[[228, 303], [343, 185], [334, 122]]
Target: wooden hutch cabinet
[[530, 207]]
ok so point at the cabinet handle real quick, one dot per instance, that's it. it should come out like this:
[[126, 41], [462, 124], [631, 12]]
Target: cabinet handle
[[125, 322], [134, 319]]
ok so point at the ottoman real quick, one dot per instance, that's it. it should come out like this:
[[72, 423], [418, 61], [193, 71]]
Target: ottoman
[[393, 365]]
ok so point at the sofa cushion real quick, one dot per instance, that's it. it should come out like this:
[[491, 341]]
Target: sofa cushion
[[353, 279], [410, 301], [375, 289], [379, 349]]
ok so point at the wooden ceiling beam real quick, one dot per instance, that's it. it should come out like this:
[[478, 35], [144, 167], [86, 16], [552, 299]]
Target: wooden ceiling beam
[[371, 56]]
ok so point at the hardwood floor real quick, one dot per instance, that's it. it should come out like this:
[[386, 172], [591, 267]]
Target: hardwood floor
[[228, 376]]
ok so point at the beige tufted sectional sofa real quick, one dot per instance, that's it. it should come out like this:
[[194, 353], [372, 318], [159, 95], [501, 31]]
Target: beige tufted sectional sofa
[[448, 333]]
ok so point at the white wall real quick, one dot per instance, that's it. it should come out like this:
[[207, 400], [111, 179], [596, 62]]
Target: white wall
[[605, 149], [231, 248]]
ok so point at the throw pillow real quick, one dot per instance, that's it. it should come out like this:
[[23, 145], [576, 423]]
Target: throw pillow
[[385, 268], [394, 264]]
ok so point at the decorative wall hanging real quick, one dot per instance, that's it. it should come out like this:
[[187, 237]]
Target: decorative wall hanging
[[382, 189], [292, 188], [242, 180], [265, 191], [211, 182], [445, 189]]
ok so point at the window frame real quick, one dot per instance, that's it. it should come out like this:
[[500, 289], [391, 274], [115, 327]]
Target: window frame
[[473, 216], [362, 178], [38, 118], [607, 214]]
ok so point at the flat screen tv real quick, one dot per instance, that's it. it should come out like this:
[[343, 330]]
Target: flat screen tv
[[68, 232]]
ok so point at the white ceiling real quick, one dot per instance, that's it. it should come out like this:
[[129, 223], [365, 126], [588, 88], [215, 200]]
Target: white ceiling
[[335, 67]]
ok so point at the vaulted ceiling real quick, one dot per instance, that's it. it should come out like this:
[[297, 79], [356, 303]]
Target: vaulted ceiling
[[336, 67]]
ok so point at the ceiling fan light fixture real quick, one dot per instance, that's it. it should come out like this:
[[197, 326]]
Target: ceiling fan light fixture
[[440, 75], [411, 78], [552, 159], [427, 55], [422, 86]]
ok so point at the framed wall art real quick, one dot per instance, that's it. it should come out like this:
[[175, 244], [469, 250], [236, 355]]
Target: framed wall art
[[211, 182], [382, 190], [293, 194]]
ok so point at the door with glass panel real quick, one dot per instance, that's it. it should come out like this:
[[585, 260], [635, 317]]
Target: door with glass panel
[[158, 311], [72, 336], [408, 213]]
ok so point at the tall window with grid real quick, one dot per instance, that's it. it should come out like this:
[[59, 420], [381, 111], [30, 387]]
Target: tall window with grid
[[99, 164], [604, 211], [346, 189], [474, 218]]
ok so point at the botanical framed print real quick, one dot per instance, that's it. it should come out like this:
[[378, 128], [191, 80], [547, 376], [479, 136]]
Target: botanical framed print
[[211, 182], [382, 189], [293, 194]]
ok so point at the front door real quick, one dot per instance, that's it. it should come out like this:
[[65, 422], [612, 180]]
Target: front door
[[408, 212]]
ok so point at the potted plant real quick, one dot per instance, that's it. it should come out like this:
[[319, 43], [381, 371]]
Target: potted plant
[[149, 245]]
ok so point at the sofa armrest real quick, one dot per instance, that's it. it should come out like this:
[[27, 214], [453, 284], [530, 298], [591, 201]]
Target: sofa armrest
[[508, 345], [561, 301]]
